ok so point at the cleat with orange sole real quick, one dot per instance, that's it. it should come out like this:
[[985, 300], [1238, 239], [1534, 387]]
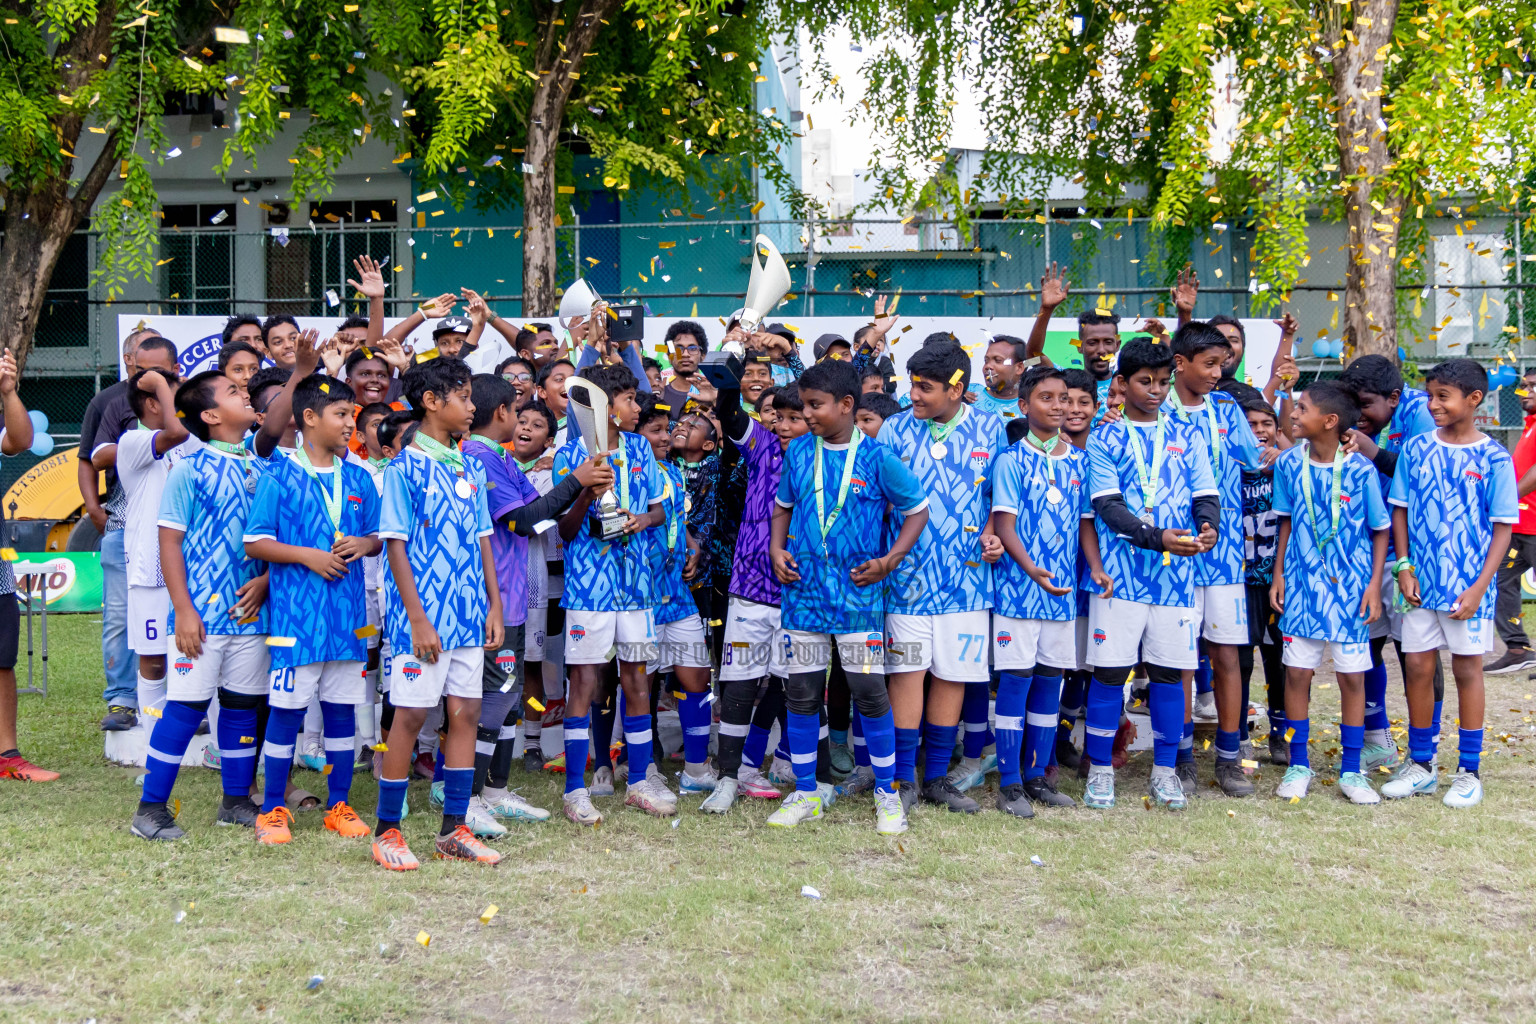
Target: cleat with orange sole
[[22, 770], [272, 827], [556, 763], [343, 820], [390, 851], [461, 844]]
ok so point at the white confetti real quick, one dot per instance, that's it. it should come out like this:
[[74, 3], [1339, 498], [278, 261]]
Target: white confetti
[[1036, 861], [331, 298], [810, 892]]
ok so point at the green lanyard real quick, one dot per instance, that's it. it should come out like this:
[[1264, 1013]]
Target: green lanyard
[[824, 520], [1334, 503], [332, 500], [672, 518], [621, 467], [524, 467], [1044, 448], [238, 450], [1213, 442], [494, 446], [378, 463], [1148, 475], [439, 452], [940, 431]]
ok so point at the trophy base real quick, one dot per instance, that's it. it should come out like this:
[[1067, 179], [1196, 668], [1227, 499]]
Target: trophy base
[[608, 527]]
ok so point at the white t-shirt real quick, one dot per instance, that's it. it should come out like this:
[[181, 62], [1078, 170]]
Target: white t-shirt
[[142, 474], [373, 565], [546, 547]]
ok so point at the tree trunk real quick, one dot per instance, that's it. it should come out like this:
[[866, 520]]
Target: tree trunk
[[1373, 211], [40, 216], [559, 65]]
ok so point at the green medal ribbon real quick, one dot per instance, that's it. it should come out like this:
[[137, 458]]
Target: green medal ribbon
[[621, 470], [332, 500], [494, 446], [1335, 505], [940, 432], [439, 452], [672, 519], [524, 467], [1148, 475], [1044, 448], [378, 463], [1213, 441], [825, 521], [238, 450]]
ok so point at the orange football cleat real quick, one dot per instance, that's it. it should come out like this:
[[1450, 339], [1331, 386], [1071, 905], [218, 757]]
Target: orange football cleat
[[23, 770], [391, 852], [461, 844], [344, 821], [272, 827]]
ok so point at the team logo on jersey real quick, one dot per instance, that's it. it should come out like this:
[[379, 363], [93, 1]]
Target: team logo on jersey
[[505, 659], [577, 632], [183, 666], [874, 642], [357, 503], [1099, 636], [858, 485], [1175, 449], [1004, 638], [979, 457], [411, 670], [1474, 474]]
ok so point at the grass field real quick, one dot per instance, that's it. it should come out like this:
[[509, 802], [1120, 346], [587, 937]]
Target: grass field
[[1274, 912]]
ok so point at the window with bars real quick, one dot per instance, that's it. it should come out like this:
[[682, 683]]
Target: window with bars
[[197, 266]]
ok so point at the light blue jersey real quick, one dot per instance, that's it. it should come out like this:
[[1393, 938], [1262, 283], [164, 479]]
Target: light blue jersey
[[1410, 419], [1024, 483], [208, 496], [1140, 574], [945, 571], [441, 516], [612, 575], [669, 550], [825, 599], [1003, 408], [1325, 585], [1232, 449], [320, 615], [1454, 493]]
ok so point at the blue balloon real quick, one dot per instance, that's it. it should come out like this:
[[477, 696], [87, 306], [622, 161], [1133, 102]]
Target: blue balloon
[[1402, 353], [1502, 376], [42, 445], [1321, 348], [39, 422]]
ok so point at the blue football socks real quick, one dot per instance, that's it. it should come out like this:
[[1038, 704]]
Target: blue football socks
[[1012, 697], [1299, 729], [578, 733], [339, 722], [1043, 706], [283, 727], [168, 743]]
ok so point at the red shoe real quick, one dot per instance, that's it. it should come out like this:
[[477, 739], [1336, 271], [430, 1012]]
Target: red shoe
[[21, 769], [554, 712], [1121, 752], [425, 765]]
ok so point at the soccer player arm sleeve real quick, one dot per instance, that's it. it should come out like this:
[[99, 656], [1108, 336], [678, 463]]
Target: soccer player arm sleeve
[[522, 519], [734, 420], [1109, 502], [1204, 491], [1385, 462]]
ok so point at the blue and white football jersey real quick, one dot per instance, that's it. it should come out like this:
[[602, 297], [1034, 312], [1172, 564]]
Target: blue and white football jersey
[[1023, 484], [1324, 585], [320, 615], [1004, 409], [825, 599], [1410, 419], [612, 575], [945, 572], [1233, 450], [441, 516], [1140, 574], [1454, 493], [674, 601], [208, 496]]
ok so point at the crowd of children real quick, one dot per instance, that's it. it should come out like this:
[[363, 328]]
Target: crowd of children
[[358, 557]]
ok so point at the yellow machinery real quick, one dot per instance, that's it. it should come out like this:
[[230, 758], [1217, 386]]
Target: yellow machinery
[[46, 507]]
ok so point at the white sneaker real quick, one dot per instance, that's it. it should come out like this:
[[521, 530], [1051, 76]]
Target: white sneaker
[[1357, 789], [509, 804], [828, 793], [890, 819], [721, 799], [1411, 779], [645, 796], [1466, 790], [1205, 707], [705, 780], [752, 782], [657, 782], [1166, 789], [481, 821], [797, 807], [578, 808], [781, 772], [1294, 785], [602, 782]]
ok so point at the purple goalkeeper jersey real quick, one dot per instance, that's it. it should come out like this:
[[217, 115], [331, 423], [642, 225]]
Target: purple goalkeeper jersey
[[752, 577]]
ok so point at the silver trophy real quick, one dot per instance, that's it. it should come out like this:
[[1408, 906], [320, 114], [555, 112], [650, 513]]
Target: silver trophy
[[588, 403]]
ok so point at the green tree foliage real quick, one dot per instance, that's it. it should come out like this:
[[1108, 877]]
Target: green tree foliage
[[1379, 113]]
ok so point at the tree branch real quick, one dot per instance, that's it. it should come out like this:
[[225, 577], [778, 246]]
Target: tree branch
[[91, 185]]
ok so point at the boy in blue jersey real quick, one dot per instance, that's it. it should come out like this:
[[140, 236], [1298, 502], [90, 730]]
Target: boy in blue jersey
[[937, 619], [1157, 506], [1221, 596], [609, 594], [443, 607], [1327, 577], [217, 606], [1078, 412], [1040, 496], [826, 546], [1455, 506], [1391, 414], [519, 513], [1002, 366], [680, 647], [313, 519]]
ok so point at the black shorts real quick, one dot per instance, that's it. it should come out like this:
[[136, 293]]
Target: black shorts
[[503, 670], [10, 629]]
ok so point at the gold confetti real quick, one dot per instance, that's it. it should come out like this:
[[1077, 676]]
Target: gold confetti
[[424, 938], [1250, 763], [247, 739], [326, 770], [281, 641], [176, 808], [380, 747], [534, 703], [9, 554], [488, 913], [954, 378], [1231, 814], [1295, 799], [1288, 734], [364, 632], [247, 622], [325, 389]]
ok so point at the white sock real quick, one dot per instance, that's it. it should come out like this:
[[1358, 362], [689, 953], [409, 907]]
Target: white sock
[[1377, 738], [151, 696]]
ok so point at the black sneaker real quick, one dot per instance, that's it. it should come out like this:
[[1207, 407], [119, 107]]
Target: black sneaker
[[119, 718], [243, 813], [1512, 660], [1041, 792], [942, 791], [1188, 780], [1067, 755], [909, 794], [533, 759], [157, 825], [1232, 779], [1012, 800], [1279, 751]]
